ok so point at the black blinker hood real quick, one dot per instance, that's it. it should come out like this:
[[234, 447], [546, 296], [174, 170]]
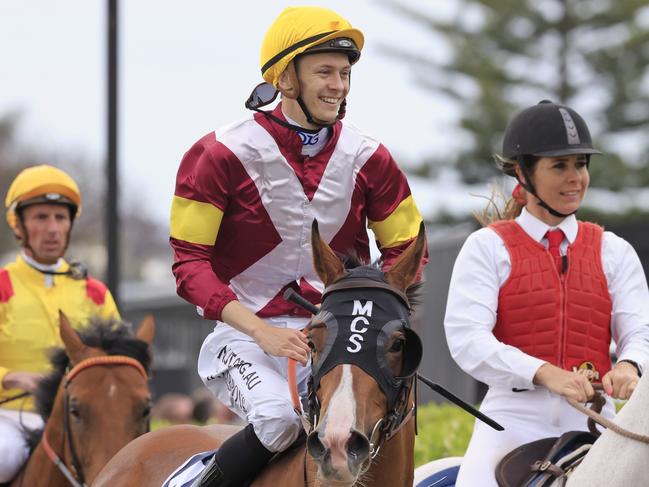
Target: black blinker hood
[[361, 329]]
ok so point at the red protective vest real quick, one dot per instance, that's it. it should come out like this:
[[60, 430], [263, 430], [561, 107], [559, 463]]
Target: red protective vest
[[562, 318]]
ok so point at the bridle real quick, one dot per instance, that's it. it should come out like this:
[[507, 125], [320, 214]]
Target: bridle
[[78, 480], [402, 409]]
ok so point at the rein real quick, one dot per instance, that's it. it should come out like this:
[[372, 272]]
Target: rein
[[15, 398], [607, 423], [79, 479]]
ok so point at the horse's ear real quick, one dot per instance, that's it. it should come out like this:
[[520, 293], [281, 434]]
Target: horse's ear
[[146, 329], [74, 347], [405, 268], [325, 261]]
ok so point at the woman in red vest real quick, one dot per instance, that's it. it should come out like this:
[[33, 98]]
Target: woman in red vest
[[537, 296]]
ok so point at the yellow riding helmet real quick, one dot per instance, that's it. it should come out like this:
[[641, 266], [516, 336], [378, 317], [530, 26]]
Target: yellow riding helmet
[[41, 184], [298, 29]]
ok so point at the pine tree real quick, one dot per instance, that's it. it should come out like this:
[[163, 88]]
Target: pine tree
[[506, 55]]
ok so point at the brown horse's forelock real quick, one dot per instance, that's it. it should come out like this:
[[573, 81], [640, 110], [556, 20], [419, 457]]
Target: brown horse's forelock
[[113, 337], [414, 292]]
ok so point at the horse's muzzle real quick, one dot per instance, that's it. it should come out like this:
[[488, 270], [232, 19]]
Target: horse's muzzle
[[341, 460]]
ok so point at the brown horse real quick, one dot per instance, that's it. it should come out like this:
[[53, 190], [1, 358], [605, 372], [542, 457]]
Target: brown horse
[[364, 357], [94, 409]]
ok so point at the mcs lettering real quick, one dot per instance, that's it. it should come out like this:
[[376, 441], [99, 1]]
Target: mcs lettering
[[359, 325]]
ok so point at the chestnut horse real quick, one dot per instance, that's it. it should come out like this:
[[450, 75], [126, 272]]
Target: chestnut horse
[[364, 359], [94, 402]]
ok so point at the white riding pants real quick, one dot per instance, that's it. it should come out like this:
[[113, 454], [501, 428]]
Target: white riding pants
[[14, 450], [253, 384], [526, 416]]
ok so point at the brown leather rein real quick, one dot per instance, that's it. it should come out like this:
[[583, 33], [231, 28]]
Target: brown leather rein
[[594, 415], [78, 480]]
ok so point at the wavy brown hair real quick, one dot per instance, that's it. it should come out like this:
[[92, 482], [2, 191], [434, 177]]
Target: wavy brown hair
[[501, 206]]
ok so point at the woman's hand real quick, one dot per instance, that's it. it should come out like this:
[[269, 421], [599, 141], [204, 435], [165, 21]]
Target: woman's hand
[[568, 384], [621, 380]]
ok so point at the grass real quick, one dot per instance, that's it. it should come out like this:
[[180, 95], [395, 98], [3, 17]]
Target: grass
[[443, 431]]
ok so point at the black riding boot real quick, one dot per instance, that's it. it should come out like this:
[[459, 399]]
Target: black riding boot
[[237, 461]]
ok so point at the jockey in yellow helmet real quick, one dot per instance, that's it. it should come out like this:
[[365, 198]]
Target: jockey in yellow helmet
[[245, 198], [41, 204]]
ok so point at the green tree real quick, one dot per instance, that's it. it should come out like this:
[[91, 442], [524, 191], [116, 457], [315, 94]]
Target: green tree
[[505, 55]]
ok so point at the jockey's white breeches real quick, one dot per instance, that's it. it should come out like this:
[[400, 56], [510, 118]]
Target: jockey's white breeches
[[526, 416], [14, 450], [253, 384]]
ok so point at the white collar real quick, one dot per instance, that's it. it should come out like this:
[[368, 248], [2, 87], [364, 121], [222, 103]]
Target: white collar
[[42, 267], [312, 144], [537, 229]]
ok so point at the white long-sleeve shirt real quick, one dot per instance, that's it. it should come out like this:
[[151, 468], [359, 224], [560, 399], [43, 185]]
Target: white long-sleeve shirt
[[482, 267]]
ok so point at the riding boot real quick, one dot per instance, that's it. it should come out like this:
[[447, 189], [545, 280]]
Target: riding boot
[[238, 460]]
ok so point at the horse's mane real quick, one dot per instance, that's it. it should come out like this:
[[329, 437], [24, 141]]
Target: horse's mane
[[414, 292], [113, 337]]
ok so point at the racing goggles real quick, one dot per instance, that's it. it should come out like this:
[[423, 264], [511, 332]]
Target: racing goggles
[[263, 94]]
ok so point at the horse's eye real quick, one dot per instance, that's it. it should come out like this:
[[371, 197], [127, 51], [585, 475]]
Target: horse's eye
[[397, 345], [146, 412], [312, 346], [74, 411]]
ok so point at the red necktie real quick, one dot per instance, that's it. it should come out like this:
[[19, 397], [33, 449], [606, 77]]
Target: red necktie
[[555, 237]]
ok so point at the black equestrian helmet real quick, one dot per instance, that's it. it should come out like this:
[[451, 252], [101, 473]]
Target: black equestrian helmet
[[547, 129]]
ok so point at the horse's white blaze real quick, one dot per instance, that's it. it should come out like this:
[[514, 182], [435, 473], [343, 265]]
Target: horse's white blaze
[[341, 419], [112, 390]]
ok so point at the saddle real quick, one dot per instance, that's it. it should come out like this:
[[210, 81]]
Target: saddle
[[543, 462]]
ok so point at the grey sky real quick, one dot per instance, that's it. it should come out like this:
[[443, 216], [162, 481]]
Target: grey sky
[[186, 68]]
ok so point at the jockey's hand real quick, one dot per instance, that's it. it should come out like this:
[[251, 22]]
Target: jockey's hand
[[17, 379], [568, 384], [280, 342], [283, 342], [621, 380]]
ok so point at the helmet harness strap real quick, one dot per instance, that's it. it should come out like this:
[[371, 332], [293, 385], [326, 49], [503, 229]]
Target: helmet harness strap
[[529, 187], [295, 80], [24, 240]]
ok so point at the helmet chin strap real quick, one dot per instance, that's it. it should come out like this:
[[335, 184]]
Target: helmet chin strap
[[321, 123], [529, 187]]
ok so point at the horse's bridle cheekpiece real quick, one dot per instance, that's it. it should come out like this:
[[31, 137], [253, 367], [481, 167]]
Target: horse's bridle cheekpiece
[[364, 326], [79, 479]]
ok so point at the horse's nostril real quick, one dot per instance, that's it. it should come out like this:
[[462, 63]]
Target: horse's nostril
[[358, 447], [315, 447]]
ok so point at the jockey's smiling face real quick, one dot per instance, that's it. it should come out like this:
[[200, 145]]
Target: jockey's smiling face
[[48, 229], [324, 84], [561, 182]]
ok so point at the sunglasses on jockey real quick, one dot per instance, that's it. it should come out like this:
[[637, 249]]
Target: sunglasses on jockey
[[263, 94]]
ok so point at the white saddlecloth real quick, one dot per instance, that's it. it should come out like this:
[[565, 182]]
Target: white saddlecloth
[[188, 472]]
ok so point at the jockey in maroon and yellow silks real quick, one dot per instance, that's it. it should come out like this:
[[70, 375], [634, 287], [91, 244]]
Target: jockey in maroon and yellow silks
[[245, 200], [238, 234]]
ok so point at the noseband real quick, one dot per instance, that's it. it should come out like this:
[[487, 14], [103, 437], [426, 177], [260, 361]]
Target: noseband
[[79, 479]]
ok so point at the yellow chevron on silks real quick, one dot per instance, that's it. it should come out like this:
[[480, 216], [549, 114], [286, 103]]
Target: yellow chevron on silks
[[194, 221], [402, 225]]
